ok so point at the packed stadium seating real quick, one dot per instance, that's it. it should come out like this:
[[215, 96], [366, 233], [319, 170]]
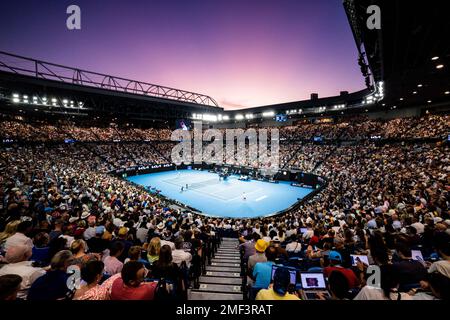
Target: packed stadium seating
[[382, 200]]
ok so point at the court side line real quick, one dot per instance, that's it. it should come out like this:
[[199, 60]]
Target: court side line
[[260, 198]]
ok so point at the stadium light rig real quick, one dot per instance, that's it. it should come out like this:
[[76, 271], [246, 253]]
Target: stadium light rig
[[376, 96], [15, 98], [37, 100], [268, 114]]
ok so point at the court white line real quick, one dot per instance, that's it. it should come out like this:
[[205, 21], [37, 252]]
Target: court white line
[[260, 198]]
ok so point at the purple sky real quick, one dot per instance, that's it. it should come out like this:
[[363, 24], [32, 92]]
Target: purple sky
[[242, 53]]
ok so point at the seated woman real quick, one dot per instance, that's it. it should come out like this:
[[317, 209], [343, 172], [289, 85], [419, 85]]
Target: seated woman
[[134, 254], [167, 269], [153, 250], [80, 257], [92, 273]]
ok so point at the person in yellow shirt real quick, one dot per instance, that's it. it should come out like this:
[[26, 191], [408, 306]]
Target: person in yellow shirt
[[279, 289]]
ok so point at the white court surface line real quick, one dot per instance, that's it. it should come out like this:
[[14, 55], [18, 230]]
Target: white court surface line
[[260, 198]]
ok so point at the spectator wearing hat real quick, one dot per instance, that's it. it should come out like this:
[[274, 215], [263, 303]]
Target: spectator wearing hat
[[53, 284], [262, 272], [122, 237], [335, 260], [259, 256], [159, 229], [9, 286], [131, 285], [279, 289], [112, 264], [18, 263]]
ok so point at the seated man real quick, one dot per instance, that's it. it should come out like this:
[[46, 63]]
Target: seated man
[[279, 289], [131, 285], [53, 284], [262, 272], [410, 271], [259, 256], [295, 245], [337, 286], [248, 246], [17, 257], [336, 265], [179, 255]]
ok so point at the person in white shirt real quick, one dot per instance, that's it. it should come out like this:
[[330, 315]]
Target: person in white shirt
[[291, 231], [294, 246], [179, 255], [17, 257], [142, 232], [309, 233], [90, 231], [20, 238], [419, 226]]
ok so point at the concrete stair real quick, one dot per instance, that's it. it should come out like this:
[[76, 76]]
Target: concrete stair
[[222, 280]]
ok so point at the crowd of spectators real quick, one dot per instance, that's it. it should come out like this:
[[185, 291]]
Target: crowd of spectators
[[59, 208], [357, 128]]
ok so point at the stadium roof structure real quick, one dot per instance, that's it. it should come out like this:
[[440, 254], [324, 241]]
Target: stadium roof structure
[[411, 51], [96, 91]]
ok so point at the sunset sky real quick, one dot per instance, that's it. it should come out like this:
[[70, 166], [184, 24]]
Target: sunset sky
[[241, 53]]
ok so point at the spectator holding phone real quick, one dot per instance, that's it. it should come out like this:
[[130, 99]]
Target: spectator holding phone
[[410, 272]]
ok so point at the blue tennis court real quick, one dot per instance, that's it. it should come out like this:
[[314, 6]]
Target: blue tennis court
[[224, 198]]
